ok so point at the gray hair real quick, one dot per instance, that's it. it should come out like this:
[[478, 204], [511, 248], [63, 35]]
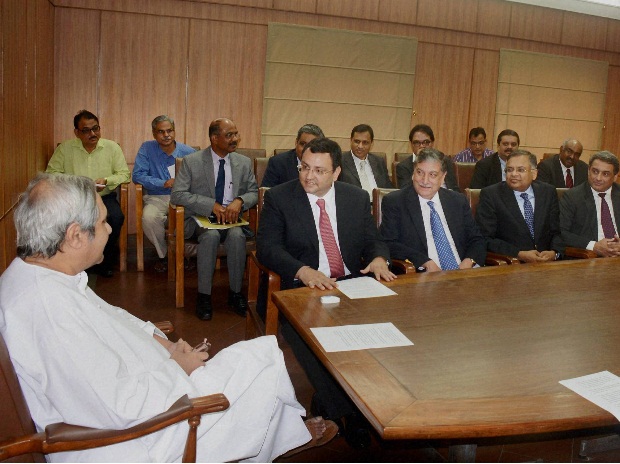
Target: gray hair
[[531, 156], [606, 157], [162, 118], [311, 129], [431, 154], [50, 204]]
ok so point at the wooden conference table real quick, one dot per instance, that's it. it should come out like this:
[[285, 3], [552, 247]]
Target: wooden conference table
[[490, 346]]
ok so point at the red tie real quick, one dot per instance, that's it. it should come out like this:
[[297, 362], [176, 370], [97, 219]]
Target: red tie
[[336, 266], [606, 222], [569, 179]]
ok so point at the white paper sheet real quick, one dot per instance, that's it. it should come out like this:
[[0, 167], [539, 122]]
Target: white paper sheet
[[172, 171], [364, 287], [360, 337], [602, 389]]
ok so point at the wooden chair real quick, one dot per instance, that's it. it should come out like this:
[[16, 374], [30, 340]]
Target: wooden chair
[[548, 155], [398, 158], [402, 156], [252, 153], [179, 248], [139, 229], [277, 151], [573, 252], [260, 167], [122, 239], [464, 173], [20, 442]]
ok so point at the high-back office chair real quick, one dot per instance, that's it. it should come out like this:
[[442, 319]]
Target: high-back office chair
[[179, 248], [548, 155], [260, 167], [252, 153], [464, 173], [277, 151], [20, 442], [139, 229]]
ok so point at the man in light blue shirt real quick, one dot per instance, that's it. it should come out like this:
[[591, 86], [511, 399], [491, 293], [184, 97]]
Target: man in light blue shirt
[[154, 169]]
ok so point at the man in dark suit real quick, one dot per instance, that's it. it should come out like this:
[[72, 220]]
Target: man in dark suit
[[431, 226], [361, 168], [565, 170], [590, 212], [421, 136], [312, 232], [283, 166], [218, 183], [492, 169], [521, 217]]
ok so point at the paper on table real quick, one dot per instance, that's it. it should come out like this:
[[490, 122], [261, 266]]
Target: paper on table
[[602, 389], [172, 171], [360, 337], [364, 287]]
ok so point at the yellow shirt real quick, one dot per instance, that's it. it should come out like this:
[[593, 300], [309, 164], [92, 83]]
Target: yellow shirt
[[106, 161]]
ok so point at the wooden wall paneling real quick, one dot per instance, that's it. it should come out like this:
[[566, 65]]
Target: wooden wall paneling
[[398, 11], [536, 23], [367, 9], [226, 78], [44, 84], [584, 31], [302, 6], [611, 131], [441, 96], [493, 17], [612, 43], [76, 64], [448, 14], [483, 94]]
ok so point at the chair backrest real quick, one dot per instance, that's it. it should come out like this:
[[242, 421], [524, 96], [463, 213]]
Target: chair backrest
[[473, 196], [464, 173], [261, 199], [377, 198], [260, 166], [195, 147], [381, 155], [561, 191], [16, 420], [548, 155], [177, 166], [277, 151], [394, 175], [252, 153], [402, 156]]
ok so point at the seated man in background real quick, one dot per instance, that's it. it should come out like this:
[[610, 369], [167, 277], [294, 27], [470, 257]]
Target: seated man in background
[[314, 231], [361, 168], [420, 137], [283, 166], [89, 363], [103, 161], [477, 149], [590, 212], [154, 169], [565, 170], [220, 183], [492, 169], [431, 226], [521, 217]]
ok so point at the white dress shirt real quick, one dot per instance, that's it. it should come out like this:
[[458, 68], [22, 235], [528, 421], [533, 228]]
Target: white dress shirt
[[597, 202], [228, 186]]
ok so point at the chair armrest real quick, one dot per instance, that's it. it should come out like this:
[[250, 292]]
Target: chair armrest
[[139, 230], [273, 285], [400, 266], [122, 239], [66, 437], [497, 259], [165, 326], [580, 253]]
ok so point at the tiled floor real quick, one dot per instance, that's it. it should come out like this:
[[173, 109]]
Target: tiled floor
[[150, 296]]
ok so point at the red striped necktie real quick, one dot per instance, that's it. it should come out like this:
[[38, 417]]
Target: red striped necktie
[[569, 179], [336, 266]]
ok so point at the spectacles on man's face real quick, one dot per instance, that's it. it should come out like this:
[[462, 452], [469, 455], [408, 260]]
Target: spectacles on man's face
[[164, 131], [88, 130], [307, 169], [424, 143], [519, 170]]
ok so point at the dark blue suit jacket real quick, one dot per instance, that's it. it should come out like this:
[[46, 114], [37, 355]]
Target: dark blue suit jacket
[[402, 226], [504, 227], [281, 168]]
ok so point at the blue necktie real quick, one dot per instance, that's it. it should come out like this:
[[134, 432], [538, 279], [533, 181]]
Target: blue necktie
[[219, 184], [446, 256], [528, 213]]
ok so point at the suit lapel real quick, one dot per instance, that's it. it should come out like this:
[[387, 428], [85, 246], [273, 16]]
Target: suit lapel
[[414, 210], [540, 211], [304, 215], [349, 163], [558, 171], [209, 176], [292, 166], [235, 171], [590, 209], [615, 201]]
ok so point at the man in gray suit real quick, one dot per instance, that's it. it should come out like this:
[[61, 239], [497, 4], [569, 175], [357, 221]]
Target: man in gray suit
[[361, 168], [217, 183]]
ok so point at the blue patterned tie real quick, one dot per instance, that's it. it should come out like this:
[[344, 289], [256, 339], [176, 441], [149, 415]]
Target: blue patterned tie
[[219, 184], [528, 213], [446, 256]]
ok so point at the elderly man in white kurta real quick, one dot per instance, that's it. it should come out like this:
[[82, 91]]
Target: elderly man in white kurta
[[85, 362]]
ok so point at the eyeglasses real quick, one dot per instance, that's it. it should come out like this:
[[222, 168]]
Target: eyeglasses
[[88, 130], [478, 144], [307, 169], [231, 135], [164, 131], [424, 143], [519, 170]]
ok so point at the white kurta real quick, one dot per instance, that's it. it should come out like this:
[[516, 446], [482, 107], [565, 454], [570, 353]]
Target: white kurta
[[82, 361]]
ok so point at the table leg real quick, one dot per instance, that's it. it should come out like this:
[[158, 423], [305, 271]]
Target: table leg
[[462, 453]]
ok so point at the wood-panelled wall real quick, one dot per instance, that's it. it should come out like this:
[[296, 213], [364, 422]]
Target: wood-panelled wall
[[27, 101], [130, 60]]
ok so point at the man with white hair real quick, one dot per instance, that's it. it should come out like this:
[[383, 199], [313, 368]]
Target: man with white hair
[[88, 363]]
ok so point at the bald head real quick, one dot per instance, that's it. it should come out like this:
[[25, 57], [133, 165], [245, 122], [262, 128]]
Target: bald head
[[570, 152]]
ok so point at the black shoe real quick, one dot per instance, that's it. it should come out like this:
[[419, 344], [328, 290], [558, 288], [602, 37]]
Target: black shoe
[[356, 431], [101, 270], [161, 265], [204, 310], [238, 302]]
